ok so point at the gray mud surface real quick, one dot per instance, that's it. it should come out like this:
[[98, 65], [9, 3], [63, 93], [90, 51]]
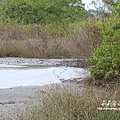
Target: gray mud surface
[[44, 62], [20, 96]]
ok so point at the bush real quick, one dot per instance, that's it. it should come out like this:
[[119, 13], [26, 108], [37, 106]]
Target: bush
[[105, 61]]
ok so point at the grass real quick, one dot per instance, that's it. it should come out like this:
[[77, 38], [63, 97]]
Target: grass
[[72, 103], [43, 42]]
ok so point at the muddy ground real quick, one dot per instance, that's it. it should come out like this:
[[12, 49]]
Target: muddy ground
[[44, 62], [19, 97]]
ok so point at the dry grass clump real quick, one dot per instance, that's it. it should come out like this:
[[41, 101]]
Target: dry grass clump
[[12, 32], [51, 48], [35, 41], [30, 41], [86, 39], [70, 103]]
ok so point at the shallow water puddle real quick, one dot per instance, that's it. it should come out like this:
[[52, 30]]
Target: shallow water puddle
[[13, 75]]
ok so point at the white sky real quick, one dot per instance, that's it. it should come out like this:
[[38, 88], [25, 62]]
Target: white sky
[[87, 4]]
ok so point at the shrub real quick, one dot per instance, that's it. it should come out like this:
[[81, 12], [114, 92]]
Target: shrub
[[105, 61]]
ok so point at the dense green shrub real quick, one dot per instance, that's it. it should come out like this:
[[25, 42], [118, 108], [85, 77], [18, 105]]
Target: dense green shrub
[[105, 61], [41, 11]]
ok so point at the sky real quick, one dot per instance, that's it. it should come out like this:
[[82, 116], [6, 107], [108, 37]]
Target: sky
[[87, 4]]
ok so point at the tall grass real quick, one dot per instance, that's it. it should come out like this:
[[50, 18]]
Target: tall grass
[[86, 39], [71, 103], [42, 41]]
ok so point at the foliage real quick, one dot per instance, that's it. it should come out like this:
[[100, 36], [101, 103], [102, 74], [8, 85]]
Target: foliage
[[117, 8], [42, 11], [105, 61]]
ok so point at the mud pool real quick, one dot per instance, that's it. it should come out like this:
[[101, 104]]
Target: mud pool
[[31, 75]]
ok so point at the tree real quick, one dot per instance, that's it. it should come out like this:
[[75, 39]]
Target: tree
[[110, 2], [103, 8], [42, 11]]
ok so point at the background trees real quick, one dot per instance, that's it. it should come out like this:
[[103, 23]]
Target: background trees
[[42, 11], [103, 8]]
